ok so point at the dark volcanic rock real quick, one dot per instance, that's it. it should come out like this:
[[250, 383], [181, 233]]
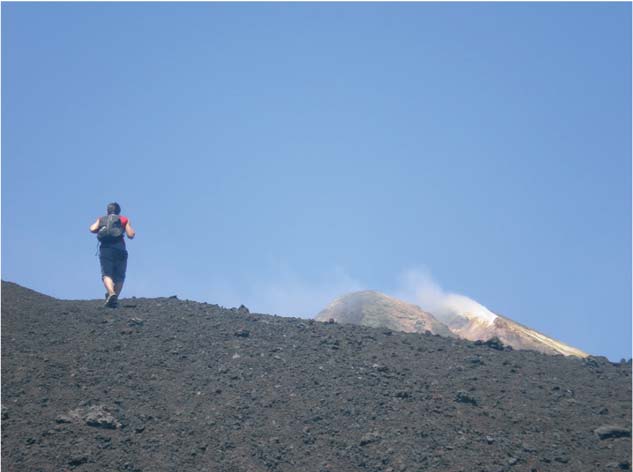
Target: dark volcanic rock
[[610, 431], [164, 384], [493, 343], [465, 397]]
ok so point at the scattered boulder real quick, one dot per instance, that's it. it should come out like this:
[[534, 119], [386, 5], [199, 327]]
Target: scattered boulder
[[241, 310], [369, 438], [596, 361], [77, 460], [493, 343], [562, 458], [623, 465], [403, 394], [99, 417], [242, 333], [611, 432], [62, 419], [528, 447], [465, 397], [474, 361], [96, 416]]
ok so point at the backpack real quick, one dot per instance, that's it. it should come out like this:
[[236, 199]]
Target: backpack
[[110, 229]]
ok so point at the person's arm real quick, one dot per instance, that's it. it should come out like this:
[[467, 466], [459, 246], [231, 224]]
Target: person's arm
[[94, 227], [129, 230]]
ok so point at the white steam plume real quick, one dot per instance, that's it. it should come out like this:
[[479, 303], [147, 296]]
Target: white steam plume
[[418, 287]]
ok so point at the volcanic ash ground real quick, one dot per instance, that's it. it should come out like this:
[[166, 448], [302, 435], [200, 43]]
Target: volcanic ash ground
[[170, 385]]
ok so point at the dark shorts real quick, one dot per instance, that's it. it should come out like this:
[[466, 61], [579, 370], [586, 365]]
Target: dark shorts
[[113, 263]]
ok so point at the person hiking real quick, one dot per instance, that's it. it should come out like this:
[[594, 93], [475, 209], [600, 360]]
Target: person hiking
[[110, 230]]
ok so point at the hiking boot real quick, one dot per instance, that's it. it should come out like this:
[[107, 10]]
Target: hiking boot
[[111, 301]]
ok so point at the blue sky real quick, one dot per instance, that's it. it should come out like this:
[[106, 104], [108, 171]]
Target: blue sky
[[281, 154]]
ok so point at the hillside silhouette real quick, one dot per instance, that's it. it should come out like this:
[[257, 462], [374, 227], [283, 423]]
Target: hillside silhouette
[[172, 385]]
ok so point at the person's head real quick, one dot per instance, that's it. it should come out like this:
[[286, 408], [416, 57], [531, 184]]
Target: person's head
[[114, 208]]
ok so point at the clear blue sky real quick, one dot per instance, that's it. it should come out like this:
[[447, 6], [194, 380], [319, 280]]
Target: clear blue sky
[[280, 154]]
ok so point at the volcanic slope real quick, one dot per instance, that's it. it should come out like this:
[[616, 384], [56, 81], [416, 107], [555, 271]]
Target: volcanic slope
[[460, 317], [169, 385], [377, 310]]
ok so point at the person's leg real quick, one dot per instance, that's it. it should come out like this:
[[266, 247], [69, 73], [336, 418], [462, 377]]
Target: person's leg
[[108, 275], [107, 269], [111, 299], [120, 269], [108, 283], [118, 287]]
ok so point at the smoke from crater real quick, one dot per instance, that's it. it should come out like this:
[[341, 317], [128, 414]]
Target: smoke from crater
[[418, 287]]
